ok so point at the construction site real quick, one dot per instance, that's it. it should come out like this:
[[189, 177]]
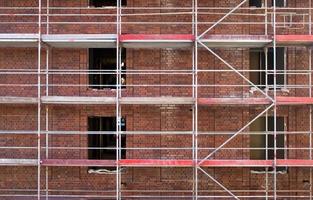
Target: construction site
[[156, 99]]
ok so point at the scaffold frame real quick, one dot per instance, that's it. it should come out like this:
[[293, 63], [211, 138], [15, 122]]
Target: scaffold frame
[[269, 101]]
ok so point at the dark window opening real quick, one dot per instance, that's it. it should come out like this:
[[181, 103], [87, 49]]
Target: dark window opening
[[280, 66], [104, 3], [102, 66], [255, 3], [259, 141], [258, 62], [258, 3], [104, 140], [280, 3]]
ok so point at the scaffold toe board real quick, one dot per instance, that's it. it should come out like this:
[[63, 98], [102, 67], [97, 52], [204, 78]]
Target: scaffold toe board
[[77, 100], [80, 100], [18, 40], [157, 40], [294, 163], [80, 40], [78, 162], [236, 41], [157, 163], [294, 40], [17, 100], [18, 162], [233, 101], [157, 100], [281, 100], [258, 163], [190, 163], [84, 100]]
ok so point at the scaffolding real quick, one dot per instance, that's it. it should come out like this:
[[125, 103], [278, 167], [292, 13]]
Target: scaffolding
[[266, 99]]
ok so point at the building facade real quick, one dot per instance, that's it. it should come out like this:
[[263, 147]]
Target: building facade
[[158, 99]]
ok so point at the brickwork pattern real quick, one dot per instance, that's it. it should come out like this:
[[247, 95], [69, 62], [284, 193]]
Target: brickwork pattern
[[144, 118]]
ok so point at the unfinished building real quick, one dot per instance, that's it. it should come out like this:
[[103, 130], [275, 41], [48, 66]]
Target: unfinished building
[[156, 99]]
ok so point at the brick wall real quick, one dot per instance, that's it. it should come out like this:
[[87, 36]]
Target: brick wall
[[145, 118]]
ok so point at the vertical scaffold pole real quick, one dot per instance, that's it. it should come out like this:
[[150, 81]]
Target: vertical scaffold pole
[[196, 99], [47, 123], [119, 55], [47, 107], [275, 106], [117, 110], [265, 19], [193, 106], [39, 102], [47, 17], [266, 123], [47, 152], [266, 90], [310, 118], [310, 94]]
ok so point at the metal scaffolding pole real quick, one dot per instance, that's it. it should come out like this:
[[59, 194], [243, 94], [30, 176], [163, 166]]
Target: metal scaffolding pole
[[47, 122], [194, 107], [194, 170], [266, 114], [119, 55], [48, 16], [310, 119], [47, 106], [310, 95], [118, 93], [195, 94], [39, 103], [275, 98], [47, 152], [266, 20], [266, 124]]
